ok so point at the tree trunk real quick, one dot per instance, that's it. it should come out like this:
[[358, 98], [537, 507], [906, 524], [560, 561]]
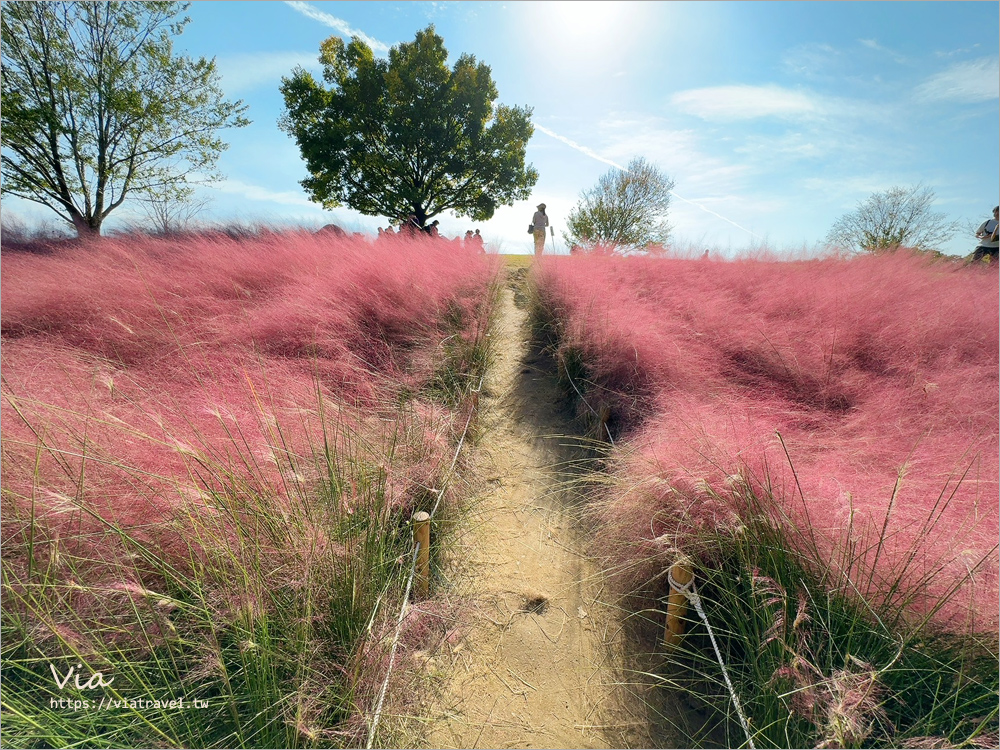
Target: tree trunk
[[86, 228]]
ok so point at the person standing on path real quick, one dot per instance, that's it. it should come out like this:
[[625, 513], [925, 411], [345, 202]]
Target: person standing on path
[[540, 222], [989, 245]]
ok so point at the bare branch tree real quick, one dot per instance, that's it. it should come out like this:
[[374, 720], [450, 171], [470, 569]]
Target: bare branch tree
[[171, 210], [897, 217], [625, 209]]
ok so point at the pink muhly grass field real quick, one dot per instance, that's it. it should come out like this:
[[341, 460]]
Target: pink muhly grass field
[[150, 370], [879, 374]]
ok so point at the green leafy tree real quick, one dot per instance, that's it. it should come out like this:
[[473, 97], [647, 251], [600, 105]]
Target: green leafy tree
[[407, 134], [96, 107], [897, 217], [627, 208]]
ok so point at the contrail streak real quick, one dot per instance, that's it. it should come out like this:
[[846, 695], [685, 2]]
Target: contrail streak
[[708, 210], [336, 23], [594, 155], [582, 149]]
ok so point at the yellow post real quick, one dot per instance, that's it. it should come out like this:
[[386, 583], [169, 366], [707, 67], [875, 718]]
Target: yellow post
[[422, 537], [681, 574]]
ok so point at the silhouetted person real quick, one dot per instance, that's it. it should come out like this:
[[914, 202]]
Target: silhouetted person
[[989, 246], [540, 222], [477, 241], [409, 227]]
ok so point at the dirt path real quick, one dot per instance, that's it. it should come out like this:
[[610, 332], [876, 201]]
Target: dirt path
[[534, 664]]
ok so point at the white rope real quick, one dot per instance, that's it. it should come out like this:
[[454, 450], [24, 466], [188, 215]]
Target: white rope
[[679, 588], [413, 567], [392, 652], [689, 590], [458, 449]]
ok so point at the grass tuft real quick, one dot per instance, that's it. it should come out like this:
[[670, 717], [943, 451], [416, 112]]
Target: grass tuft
[[821, 436], [209, 462]]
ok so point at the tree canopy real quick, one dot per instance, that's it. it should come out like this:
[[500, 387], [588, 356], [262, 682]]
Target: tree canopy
[[407, 134], [96, 107], [897, 217], [627, 208]]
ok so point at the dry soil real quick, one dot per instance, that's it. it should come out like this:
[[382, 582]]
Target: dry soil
[[536, 660]]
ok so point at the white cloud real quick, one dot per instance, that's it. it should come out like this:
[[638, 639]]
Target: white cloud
[[959, 51], [745, 102], [257, 193], [974, 81], [244, 72], [675, 152], [679, 153], [435, 9], [336, 23], [794, 145], [812, 60], [873, 44], [846, 191]]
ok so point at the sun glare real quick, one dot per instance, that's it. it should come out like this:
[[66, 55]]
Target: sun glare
[[583, 20], [576, 29]]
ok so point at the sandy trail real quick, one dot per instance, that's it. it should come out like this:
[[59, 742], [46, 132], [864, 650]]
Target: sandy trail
[[534, 666]]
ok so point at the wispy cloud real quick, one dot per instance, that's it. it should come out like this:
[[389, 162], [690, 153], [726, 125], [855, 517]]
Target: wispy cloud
[[678, 151], [258, 193], [874, 45], [794, 145], [245, 72], [434, 9], [729, 103], [846, 191], [959, 51], [337, 24], [969, 82], [699, 204], [813, 61]]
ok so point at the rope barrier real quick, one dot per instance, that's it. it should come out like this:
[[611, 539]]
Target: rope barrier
[[458, 449], [691, 592], [392, 651], [413, 568]]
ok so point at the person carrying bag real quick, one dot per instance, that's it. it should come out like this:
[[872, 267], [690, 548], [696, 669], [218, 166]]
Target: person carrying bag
[[539, 223]]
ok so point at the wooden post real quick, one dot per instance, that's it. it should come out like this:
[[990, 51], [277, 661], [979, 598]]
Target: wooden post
[[422, 537], [677, 603]]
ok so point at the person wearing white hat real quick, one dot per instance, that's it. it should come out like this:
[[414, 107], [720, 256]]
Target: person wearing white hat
[[540, 222]]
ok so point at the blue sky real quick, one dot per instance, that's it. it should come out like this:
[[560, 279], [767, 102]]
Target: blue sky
[[773, 118]]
